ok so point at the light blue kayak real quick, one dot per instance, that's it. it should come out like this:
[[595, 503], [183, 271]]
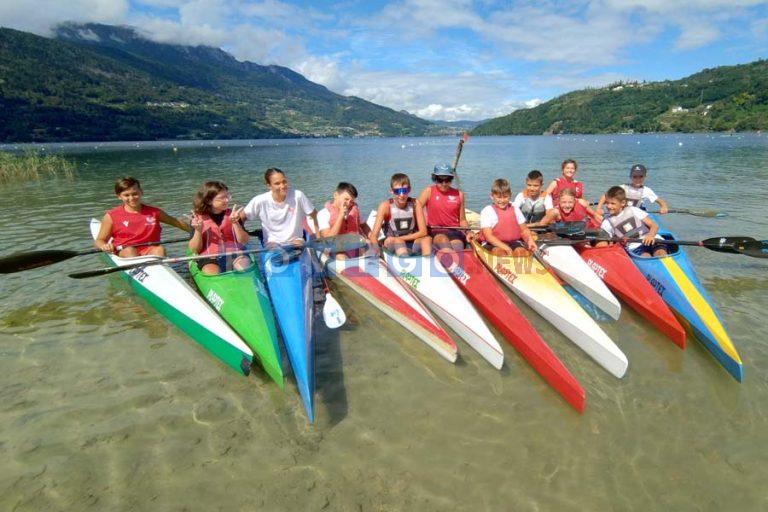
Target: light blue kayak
[[289, 280], [675, 281]]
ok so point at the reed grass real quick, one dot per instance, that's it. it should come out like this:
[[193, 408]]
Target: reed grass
[[31, 165]]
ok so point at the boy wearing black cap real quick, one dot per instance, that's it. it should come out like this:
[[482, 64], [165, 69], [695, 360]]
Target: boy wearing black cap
[[636, 191]]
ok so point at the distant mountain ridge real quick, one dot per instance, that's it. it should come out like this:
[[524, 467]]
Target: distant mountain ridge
[[101, 82], [727, 98]]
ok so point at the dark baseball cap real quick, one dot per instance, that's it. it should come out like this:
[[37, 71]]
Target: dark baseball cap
[[638, 170]]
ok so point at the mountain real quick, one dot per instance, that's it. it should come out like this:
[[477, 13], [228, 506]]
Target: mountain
[[719, 99], [101, 82]]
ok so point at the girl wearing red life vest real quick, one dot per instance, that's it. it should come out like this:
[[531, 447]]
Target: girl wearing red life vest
[[567, 180], [444, 207], [217, 229], [502, 224], [569, 209], [133, 223]]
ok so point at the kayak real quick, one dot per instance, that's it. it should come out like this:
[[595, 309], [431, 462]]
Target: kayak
[[289, 281], [674, 279], [370, 278], [479, 285], [530, 281], [569, 266], [429, 279], [612, 264], [179, 303], [243, 302]]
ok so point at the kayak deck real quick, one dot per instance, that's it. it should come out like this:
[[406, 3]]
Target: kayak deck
[[530, 281], [484, 292], [174, 299], [674, 279], [243, 302]]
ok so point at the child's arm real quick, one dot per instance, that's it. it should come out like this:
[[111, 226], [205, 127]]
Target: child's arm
[[313, 215], [334, 228], [549, 217], [462, 213], [423, 198], [663, 208], [105, 232], [196, 242], [173, 221], [550, 188], [421, 232], [600, 203], [373, 235], [653, 228], [241, 235]]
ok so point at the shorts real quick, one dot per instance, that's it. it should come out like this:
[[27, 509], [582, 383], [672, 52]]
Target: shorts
[[638, 248], [144, 249]]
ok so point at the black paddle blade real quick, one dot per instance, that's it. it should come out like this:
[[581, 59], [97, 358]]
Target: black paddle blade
[[29, 260], [569, 228], [727, 244], [754, 248]]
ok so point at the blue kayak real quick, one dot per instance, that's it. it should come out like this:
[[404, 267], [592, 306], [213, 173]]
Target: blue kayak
[[675, 281], [289, 280]]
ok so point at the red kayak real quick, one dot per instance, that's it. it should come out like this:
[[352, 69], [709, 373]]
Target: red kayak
[[485, 293], [622, 276]]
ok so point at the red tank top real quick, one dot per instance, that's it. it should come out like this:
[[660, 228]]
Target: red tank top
[[218, 239], [578, 214], [132, 228], [561, 184], [507, 229], [443, 208], [349, 225]]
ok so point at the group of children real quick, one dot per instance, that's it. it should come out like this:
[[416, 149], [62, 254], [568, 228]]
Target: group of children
[[410, 225]]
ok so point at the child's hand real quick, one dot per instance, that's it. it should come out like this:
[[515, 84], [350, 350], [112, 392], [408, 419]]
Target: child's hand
[[663, 209], [196, 222], [532, 243], [599, 217], [470, 236], [649, 240], [108, 247], [234, 217]]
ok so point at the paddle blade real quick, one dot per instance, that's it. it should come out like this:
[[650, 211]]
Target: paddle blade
[[568, 228], [333, 315], [699, 213], [755, 248], [29, 260], [727, 244], [340, 243]]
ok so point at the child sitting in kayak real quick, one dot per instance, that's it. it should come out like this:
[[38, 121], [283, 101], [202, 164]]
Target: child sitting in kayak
[[133, 223], [402, 219], [281, 210], [445, 210], [569, 209], [637, 193], [502, 224], [625, 221], [532, 202], [341, 216], [217, 229]]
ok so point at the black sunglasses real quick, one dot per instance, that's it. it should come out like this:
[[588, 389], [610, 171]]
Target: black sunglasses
[[443, 179]]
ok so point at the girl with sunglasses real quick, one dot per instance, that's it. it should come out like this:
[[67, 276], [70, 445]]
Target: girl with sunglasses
[[402, 220], [445, 210]]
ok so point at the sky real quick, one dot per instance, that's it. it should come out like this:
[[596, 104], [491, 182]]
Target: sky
[[443, 59]]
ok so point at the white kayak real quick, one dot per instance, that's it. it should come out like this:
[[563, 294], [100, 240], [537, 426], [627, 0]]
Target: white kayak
[[572, 269], [174, 299], [533, 283], [370, 278], [432, 283]]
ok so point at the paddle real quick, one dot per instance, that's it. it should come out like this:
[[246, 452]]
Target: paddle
[[335, 244], [688, 211], [464, 138], [35, 259], [333, 314], [730, 245]]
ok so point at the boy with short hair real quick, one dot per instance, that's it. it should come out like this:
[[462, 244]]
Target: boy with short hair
[[637, 192], [341, 215], [502, 224], [532, 201], [625, 221], [402, 219]]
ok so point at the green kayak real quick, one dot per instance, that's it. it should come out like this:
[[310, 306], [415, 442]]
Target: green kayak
[[243, 302]]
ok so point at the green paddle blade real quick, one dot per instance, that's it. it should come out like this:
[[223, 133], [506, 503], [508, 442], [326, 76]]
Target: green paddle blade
[[28, 260]]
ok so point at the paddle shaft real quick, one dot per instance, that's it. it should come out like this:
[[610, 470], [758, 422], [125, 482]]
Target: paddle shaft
[[456, 157]]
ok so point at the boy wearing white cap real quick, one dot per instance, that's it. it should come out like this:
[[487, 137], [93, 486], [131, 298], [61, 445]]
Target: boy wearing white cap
[[637, 193]]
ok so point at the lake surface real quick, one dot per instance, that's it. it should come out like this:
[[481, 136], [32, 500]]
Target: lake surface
[[106, 406]]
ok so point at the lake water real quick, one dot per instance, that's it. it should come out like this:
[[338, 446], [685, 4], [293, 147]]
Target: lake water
[[106, 406]]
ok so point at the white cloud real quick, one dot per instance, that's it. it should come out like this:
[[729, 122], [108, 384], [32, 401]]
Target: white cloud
[[39, 17]]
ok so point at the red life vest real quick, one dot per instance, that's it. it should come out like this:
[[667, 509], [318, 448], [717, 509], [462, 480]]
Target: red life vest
[[132, 228], [443, 208], [578, 214], [507, 229], [351, 224], [218, 239], [561, 184]]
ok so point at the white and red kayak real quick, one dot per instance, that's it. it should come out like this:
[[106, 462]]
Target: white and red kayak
[[370, 278], [433, 284]]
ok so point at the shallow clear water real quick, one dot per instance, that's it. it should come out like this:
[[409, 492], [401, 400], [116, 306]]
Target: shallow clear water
[[104, 405]]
